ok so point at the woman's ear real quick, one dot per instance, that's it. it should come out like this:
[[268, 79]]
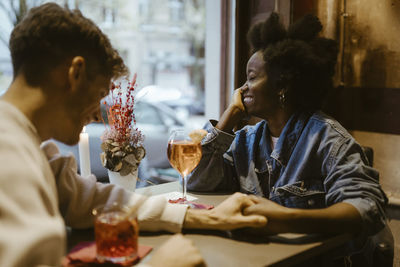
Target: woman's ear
[[76, 72]]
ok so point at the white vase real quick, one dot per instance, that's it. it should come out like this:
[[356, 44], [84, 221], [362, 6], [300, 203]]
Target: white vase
[[128, 182]]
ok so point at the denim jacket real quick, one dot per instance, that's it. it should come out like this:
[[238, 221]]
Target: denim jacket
[[315, 164]]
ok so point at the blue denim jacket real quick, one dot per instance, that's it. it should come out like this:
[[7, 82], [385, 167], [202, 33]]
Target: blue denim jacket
[[316, 163]]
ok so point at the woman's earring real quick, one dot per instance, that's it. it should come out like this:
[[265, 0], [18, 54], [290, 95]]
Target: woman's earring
[[282, 98]]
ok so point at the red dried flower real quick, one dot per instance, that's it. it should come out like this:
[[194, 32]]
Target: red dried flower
[[121, 116]]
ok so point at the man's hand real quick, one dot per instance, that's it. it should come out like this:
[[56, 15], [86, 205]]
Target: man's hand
[[226, 216], [177, 251]]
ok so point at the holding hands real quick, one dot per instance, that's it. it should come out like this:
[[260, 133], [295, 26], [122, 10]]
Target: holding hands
[[237, 211], [226, 216], [230, 213], [278, 216], [240, 211]]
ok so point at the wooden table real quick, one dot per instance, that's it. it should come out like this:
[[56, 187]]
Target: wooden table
[[225, 248]]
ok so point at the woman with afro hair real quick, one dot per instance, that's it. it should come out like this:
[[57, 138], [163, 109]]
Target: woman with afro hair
[[306, 172]]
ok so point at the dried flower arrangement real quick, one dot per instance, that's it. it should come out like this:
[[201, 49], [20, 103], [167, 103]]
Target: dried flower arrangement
[[122, 142]]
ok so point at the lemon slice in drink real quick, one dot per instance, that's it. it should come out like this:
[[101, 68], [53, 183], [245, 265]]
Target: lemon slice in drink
[[197, 135]]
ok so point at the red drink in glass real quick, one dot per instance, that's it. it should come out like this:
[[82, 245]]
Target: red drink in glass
[[116, 236]]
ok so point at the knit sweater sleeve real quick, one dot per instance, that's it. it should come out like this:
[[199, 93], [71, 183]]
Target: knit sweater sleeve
[[78, 196]]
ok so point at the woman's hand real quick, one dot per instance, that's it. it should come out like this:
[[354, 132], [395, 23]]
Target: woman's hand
[[338, 218], [234, 113], [277, 215], [237, 99], [266, 207]]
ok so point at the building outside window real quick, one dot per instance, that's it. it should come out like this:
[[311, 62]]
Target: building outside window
[[163, 41], [156, 39]]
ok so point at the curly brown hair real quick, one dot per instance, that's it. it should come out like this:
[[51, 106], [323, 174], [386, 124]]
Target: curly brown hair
[[49, 34], [296, 59]]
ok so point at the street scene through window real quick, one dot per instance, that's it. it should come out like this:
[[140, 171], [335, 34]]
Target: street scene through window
[[163, 41]]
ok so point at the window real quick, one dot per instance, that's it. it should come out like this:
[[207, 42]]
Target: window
[[153, 36], [163, 41], [164, 49]]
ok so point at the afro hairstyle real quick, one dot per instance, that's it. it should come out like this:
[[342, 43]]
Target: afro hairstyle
[[296, 59]]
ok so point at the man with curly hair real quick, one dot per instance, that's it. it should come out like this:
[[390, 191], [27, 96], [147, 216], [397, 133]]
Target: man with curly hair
[[63, 65], [307, 171]]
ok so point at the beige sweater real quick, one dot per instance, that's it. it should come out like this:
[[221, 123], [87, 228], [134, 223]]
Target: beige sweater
[[40, 192]]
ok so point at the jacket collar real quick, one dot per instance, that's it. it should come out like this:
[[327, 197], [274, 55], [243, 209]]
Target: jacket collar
[[263, 148], [289, 137]]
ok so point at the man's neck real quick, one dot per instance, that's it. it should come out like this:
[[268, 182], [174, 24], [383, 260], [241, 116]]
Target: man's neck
[[29, 100]]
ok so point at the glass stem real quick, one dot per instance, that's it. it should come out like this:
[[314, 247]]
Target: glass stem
[[184, 185]]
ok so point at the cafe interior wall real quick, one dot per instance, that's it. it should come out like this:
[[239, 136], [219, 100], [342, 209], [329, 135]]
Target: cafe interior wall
[[368, 77], [366, 98]]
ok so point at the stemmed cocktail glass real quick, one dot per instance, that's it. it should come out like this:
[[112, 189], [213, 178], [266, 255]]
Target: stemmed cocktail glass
[[184, 155]]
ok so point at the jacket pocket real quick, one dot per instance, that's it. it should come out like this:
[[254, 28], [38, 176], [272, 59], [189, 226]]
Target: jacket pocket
[[301, 194], [251, 184]]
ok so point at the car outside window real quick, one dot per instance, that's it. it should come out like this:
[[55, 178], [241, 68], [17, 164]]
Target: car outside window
[[147, 114]]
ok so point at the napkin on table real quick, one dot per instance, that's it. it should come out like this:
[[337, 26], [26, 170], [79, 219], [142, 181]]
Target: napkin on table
[[84, 255]]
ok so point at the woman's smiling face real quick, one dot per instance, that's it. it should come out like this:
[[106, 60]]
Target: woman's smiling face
[[258, 99]]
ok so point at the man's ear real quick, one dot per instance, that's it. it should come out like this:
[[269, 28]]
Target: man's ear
[[76, 72]]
